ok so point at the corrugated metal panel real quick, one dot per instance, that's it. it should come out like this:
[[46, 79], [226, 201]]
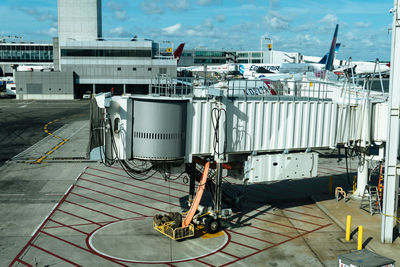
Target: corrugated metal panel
[[267, 125], [379, 122]]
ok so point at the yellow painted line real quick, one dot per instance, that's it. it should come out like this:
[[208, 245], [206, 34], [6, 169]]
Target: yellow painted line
[[40, 160], [45, 128], [207, 235]]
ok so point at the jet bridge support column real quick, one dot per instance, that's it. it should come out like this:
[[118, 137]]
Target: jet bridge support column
[[219, 122], [362, 176], [390, 192]]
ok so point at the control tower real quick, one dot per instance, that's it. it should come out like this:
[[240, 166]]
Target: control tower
[[79, 20]]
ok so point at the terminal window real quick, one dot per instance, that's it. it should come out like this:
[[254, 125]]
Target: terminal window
[[104, 53], [26, 53]]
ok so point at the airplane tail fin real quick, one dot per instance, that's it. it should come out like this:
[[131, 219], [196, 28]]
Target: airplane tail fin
[[323, 60], [331, 54], [178, 52]]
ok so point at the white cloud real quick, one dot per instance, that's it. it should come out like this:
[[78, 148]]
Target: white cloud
[[273, 3], [152, 7], [118, 11], [276, 21], [39, 14], [172, 30], [119, 31], [349, 36], [362, 24], [120, 14], [204, 2], [207, 24], [50, 32], [208, 2], [220, 17], [329, 19], [178, 5]]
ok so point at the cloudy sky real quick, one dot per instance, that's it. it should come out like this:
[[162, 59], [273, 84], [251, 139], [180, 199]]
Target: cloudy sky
[[304, 26]]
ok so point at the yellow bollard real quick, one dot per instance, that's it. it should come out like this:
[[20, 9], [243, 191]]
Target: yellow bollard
[[330, 185], [360, 238], [348, 227], [354, 184]]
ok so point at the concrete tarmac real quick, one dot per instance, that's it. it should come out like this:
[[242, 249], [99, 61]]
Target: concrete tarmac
[[66, 210]]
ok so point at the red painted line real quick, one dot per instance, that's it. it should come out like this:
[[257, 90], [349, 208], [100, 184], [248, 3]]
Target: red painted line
[[70, 227], [84, 249], [246, 246], [146, 182], [132, 193], [135, 186], [105, 203], [252, 237], [120, 198], [291, 218], [74, 215], [78, 224], [269, 231], [111, 205], [55, 255], [79, 205], [24, 263], [98, 223], [284, 225], [205, 263], [42, 225], [125, 176], [230, 255], [305, 214], [275, 245]]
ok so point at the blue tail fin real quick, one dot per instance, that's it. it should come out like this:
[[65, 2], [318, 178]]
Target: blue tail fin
[[331, 54], [323, 60]]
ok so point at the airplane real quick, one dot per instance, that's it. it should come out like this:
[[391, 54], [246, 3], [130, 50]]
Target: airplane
[[254, 71], [362, 68], [324, 63], [178, 52]]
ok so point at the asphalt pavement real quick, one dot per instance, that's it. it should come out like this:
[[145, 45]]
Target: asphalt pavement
[[22, 122]]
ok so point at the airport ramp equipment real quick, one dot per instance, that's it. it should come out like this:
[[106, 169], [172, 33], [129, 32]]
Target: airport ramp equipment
[[173, 226]]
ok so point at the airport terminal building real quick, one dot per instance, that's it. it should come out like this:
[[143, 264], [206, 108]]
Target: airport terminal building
[[86, 63]]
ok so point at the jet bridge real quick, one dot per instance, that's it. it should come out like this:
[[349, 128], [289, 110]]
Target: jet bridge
[[173, 127], [277, 129]]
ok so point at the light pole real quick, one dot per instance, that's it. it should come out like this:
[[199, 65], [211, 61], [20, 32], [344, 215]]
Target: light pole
[[270, 47]]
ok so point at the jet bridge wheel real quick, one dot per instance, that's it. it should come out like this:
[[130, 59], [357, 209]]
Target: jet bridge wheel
[[211, 225]]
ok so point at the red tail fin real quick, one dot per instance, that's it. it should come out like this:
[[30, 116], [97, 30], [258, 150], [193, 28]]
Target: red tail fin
[[178, 52]]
